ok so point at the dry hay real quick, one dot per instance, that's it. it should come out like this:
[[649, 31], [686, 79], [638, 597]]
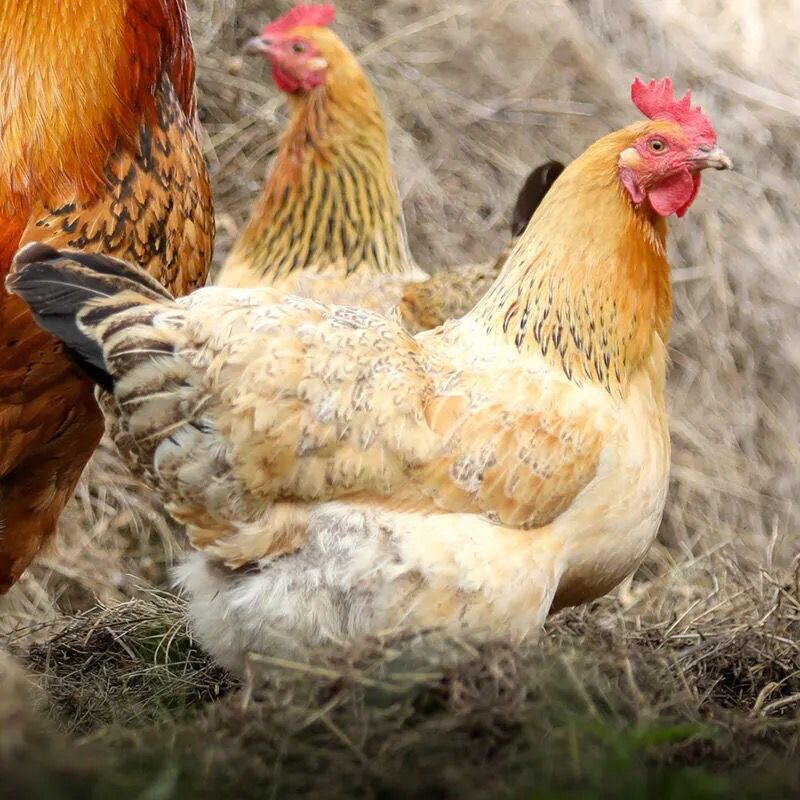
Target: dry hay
[[477, 93], [127, 664], [613, 703]]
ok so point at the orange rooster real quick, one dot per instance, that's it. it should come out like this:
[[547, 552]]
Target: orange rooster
[[340, 477], [99, 151], [329, 222]]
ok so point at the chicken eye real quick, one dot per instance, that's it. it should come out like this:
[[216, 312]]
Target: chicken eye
[[299, 47], [657, 146]]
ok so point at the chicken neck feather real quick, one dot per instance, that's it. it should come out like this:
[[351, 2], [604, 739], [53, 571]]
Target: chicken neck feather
[[588, 284]]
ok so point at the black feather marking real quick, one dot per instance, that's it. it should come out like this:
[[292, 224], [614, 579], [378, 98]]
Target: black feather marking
[[105, 267], [33, 252], [93, 315]]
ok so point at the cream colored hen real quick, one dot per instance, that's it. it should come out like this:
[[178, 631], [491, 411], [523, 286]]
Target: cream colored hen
[[339, 477]]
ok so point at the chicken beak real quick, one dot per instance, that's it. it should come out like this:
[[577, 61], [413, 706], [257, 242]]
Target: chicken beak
[[716, 158], [257, 46]]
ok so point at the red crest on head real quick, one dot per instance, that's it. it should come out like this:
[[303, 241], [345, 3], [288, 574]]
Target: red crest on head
[[313, 15], [656, 100]]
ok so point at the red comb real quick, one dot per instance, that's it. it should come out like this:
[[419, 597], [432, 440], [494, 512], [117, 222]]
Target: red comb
[[656, 100], [312, 15]]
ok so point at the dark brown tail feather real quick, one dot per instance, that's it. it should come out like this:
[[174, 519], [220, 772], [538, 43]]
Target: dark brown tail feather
[[58, 285]]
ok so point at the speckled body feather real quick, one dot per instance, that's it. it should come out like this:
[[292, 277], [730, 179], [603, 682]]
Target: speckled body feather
[[99, 151]]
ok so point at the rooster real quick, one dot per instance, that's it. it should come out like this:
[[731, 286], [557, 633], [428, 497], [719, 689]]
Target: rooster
[[340, 477], [99, 151], [329, 222]]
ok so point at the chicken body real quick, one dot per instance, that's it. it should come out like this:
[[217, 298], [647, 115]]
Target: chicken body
[[488, 495], [340, 477], [100, 151], [448, 294]]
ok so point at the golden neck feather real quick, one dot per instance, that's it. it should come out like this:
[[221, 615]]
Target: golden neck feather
[[330, 200], [588, 284]]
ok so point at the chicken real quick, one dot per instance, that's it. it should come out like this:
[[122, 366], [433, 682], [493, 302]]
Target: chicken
[[452, 293], [329, 222], [340, 477], [99, 151]]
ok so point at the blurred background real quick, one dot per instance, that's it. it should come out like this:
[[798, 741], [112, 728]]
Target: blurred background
[[476, 94]]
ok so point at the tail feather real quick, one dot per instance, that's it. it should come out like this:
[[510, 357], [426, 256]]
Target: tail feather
[[533, 191], [78, 297]]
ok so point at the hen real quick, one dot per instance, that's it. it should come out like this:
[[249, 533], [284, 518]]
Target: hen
[[340, 477], [329, 222], [99, 151]]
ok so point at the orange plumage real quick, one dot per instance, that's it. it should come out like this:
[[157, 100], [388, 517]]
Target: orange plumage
[[99, 151], [594, 317]]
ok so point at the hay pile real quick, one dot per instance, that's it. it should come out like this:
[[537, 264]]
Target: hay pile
[[612, 705], [476, 94]]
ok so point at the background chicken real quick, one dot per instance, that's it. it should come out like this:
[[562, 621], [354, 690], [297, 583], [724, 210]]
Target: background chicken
[[99, 151], [530, 196], [340, 477], [329, 223]]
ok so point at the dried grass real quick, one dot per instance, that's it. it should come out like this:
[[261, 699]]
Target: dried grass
[[613, 703], [476, 93]]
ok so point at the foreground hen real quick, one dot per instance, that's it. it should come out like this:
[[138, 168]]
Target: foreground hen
[[339, 477], [99, 151], [329, 222]]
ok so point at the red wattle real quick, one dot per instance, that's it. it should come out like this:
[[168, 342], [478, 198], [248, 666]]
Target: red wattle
[[696, 178], [674, 194], [283, 81]]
